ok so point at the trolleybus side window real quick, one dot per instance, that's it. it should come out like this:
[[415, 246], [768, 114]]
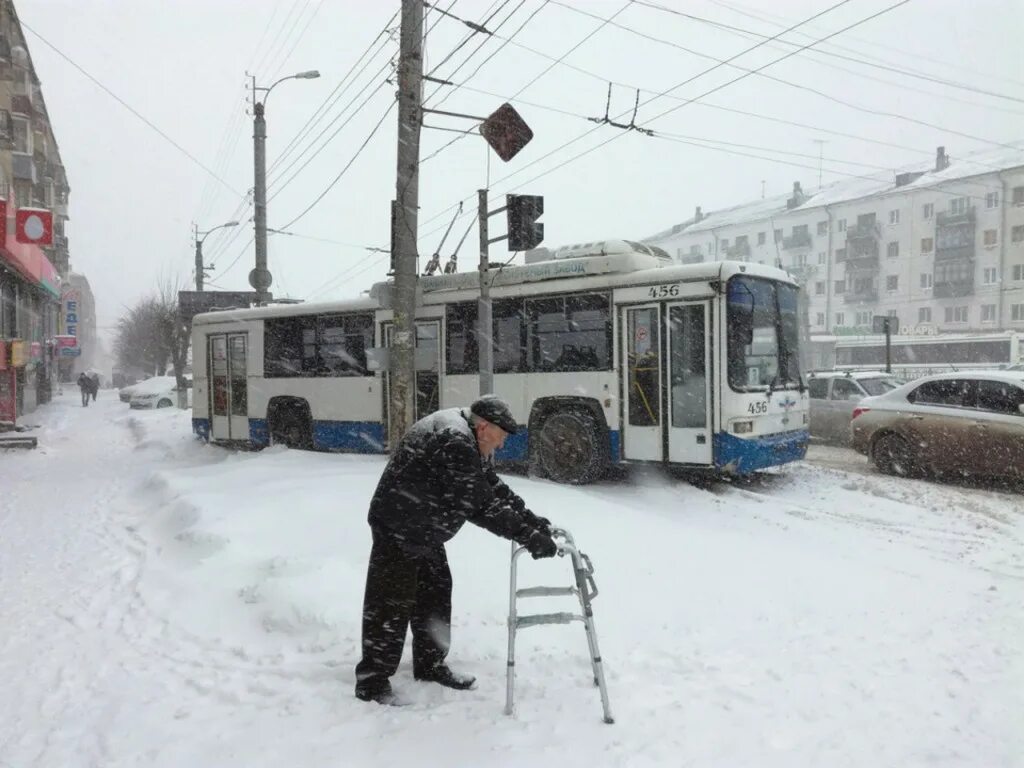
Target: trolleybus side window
[[461, 351], [332, 345], [569, 333], [509, 336]]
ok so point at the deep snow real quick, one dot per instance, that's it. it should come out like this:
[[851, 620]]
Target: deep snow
[[166, 603]]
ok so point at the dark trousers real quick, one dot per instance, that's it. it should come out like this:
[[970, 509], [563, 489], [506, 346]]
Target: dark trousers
[[85, 397], [403, 588]]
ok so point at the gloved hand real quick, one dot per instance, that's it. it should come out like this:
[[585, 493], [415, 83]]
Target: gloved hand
[[540, 544], [538, 522]]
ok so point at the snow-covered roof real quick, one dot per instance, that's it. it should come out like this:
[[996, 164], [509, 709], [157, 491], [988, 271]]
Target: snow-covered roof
[[923, 176]]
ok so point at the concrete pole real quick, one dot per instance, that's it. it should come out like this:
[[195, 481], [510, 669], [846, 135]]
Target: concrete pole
[[403, 338], [260, 202], [199, 262], [485, 324]]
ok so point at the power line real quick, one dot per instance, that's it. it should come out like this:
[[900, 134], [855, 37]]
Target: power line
[[468, 37], [127, 106], [348, 165], [282, 40], [823, 52], [302, 33], [316, 117]]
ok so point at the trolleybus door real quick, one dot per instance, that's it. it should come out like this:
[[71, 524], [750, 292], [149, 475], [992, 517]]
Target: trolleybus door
[[688, 383], [641, 384], [228, 384]]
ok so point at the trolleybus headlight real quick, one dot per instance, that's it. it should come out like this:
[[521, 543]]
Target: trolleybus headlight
[[742, 427]]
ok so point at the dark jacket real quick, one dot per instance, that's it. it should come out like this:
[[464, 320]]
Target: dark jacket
[[436, 480]]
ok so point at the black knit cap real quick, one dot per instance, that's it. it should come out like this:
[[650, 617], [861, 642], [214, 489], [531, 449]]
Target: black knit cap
[[495, 410]]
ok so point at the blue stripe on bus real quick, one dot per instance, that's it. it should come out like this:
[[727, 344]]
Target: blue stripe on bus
[[745, 455], [259, 432], [201, 428], [349, 436]]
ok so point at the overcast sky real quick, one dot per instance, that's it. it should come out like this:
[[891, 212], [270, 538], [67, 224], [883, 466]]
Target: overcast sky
[[182, 65]]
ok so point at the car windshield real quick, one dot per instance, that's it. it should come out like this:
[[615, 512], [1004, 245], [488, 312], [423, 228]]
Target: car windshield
[[878, 386], [763, 334]]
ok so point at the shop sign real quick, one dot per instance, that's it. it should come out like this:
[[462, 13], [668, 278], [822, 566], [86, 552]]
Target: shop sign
[[70, 308], [19, 354]]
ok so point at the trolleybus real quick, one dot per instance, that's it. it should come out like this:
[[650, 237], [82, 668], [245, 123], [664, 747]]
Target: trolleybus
[[607, 352]]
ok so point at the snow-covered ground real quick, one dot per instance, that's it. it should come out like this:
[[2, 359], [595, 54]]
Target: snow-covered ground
[[165, 603]]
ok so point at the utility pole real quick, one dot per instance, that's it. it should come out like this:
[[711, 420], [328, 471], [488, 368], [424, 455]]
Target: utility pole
[[260, 278], [401, 386], [485, 324], [199, 261]]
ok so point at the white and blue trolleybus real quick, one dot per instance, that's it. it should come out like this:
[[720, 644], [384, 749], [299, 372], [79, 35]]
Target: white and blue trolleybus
[[607, 352]]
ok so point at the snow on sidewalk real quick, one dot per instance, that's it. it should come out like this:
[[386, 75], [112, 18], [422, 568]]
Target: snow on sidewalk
[[212, 618]]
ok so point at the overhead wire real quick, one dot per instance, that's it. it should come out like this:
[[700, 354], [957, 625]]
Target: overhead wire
[[195, 160]]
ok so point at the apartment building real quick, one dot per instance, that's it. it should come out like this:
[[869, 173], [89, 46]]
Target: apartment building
[[31, 176], [940, 247]]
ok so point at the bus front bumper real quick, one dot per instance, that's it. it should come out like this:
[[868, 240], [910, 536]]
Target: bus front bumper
[[741, 456]]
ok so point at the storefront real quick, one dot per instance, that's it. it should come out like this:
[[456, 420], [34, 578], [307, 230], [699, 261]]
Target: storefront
[[29, 307]]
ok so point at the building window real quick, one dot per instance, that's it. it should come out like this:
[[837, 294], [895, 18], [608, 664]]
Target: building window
[[819, 288], [956, 314], [1018, 195], [800, 260], [822, 227], [840, 287], [761, 237], [695, 250], [894, 217], [841, 318], [892, 249], [778, 235], [1018, 272], [725, 244], [992, 200], [926, 280], [958, 205], [863, 318], [928, 210], [990, 237], [840, 254], [892, 282], [22, 136], [991, 276], [821, 256], [927, 244], [820, 318], [988, 313], [1017, 310], [1017, 233], [841, 224], [890, 312], [924, 315]]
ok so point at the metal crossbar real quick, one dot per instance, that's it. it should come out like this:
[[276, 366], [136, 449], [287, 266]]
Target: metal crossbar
[[585, 590]]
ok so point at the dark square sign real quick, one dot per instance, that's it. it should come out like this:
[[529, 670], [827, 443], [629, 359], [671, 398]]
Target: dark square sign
[[506, 132]]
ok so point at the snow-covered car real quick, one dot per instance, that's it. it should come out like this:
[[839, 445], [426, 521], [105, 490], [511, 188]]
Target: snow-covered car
[[124, 394], [963, 423], [158, 392], [834, 394]]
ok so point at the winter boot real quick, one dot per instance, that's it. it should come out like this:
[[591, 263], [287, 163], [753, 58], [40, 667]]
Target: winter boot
[[443, 675], [384, 696]]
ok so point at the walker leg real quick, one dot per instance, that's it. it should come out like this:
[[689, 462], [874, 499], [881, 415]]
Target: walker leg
[[510, 671]]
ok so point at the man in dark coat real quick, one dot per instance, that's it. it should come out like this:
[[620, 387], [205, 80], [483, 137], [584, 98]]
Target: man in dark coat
[[439, 476], [85, 384]]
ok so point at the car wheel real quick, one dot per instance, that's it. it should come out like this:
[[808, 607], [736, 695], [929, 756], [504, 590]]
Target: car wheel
[[894, 456], [570, 448], [165, 403]]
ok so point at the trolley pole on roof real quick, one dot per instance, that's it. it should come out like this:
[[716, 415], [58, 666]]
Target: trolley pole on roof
[[404, 255]]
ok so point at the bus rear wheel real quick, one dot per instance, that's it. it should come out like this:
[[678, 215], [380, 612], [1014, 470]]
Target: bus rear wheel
[[291, 426], [570, 448]]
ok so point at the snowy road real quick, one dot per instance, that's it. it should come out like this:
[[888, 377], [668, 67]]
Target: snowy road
[[164, 603]]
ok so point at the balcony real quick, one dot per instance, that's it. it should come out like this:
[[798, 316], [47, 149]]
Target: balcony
[[860, 231], [953, 290], [740, 251], [799, 239], [862, 296], [802, 272], [947, 219], [864, 262]]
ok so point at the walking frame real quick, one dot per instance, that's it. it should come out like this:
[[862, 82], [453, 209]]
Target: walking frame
[[585, 590]]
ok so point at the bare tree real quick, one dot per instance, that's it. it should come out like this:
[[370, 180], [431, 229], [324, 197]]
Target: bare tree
[[175, 333]]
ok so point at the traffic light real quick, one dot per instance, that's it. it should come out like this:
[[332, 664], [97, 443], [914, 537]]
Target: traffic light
[[524, 232]]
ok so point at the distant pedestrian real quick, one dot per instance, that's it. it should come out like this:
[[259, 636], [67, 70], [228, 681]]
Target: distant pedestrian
[[94, 384], [439, 476], [85, 385]]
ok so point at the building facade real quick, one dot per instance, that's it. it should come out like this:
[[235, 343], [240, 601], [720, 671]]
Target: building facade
[[941, 247], [31, 175]]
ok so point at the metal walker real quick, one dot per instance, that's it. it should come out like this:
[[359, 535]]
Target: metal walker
[[585, 589]]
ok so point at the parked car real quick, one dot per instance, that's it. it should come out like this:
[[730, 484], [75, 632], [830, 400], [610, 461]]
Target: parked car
[[158, 392], [834, 395], [125, 393], [967, 423]]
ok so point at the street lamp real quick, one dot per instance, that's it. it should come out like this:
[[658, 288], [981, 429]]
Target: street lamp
[[200, 237], [260, 277]]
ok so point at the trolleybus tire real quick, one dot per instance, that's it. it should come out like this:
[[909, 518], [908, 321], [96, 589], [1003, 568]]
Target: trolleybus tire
[[570, 448]]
